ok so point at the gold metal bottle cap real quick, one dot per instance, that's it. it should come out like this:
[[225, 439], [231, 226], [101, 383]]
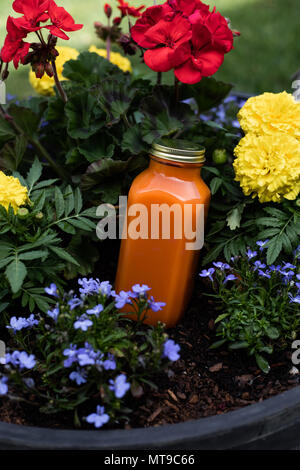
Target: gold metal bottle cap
[[177, 150]]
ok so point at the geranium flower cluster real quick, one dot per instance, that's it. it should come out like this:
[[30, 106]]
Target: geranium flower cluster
[[37, 16], [268, 157], [90, 345], [184, 36], [260, 302]]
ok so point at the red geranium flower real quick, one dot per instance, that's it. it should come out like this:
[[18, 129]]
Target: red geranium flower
[[149, 18], [34, 11], [221, 34], [171, 39], [126, 9], [189, 7], [62, 21], [205, 59], [14, 47]]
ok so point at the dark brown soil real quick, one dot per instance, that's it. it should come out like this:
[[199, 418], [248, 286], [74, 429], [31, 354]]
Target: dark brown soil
[[202, 383]]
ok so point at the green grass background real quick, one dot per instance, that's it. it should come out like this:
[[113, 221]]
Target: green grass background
[[264, 59]]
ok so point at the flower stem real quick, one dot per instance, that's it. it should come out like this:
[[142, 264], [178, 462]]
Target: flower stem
[[177, 90], [159, 77], [35, 143], [108, 43], [58, 84]]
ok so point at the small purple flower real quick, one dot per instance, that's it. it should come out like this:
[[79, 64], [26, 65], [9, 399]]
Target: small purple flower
[[221, 266], [264, 273], [31, 321], [251, 254], [259, 265], [52, 290], [95, 310], [295, 300], [53, 313], [105, 288], [78, 376], [99, 418], [171, 350], [89, 286], [71, 354], [83, 323], [156, 306], [119, 386], [140, 290], [262, 244], [230, 277], [3, 386], [110, 363], [17, 324], [287, 275], [207, 273], [122, 298], [75, 302], [26, 361]]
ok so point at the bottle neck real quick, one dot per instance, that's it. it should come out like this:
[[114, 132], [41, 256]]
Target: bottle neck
[[175, 169]]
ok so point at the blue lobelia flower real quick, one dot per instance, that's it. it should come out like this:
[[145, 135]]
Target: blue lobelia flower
[[230, 277], [3, 386], [122, 298], [119, 386], [264, 273], [53, 313], [171, 350], [251, 254], [79, 376], [262, 244], [75, 302], [156, 306], [295, 300], [221, 266], [95, 310], [138, 290], [99, 418], [82, 323], [207, 273], [52, 290]]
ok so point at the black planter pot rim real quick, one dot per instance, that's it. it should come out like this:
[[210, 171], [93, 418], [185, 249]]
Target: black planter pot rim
[[272, 423]]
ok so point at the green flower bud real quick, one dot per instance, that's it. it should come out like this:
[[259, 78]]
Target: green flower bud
[[298, 202], [22, 213], [220, 156], [39, 216]]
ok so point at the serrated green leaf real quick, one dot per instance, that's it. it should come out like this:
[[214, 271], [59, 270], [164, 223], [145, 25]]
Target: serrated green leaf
[[274, 249], [235, 216], [215, 184], [59, 203], [16, 272], [63, 254], [69, 200], [34, 174], [77, 201], [33, 255]]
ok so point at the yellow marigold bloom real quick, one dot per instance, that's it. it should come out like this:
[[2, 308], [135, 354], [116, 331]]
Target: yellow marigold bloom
[[115, 58], [12, 192], [268, 166], [271, 112], [45, 85]]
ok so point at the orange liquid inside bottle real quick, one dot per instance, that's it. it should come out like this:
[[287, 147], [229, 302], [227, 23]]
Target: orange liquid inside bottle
[[156, 254]]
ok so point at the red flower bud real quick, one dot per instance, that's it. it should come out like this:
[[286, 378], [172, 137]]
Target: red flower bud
[[107, 10], [39, 70], [49, 70], [117, 21]]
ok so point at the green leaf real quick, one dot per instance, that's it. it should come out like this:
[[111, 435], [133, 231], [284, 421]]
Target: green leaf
[[90, 69], [217, 344], [272, 332], [238, 345], [274, 249], [115, 99], [221, 317], [77, 201], [80, 111], [102, 171], [59, 203], [33, 255], [34, 173], [25, 118], [98, 146], [133, 141], [6, 131], [69, 200], [208, 93], [16, 273], [63, 254], [235, 216], [262, 363], [215, 184]]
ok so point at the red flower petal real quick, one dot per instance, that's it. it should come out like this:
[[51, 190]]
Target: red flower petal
[[187, 73], [209, 61], [149, 18], [62, 19], [57, 32], [161, 59]]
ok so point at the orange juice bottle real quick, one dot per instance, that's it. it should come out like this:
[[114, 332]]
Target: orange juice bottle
[[160, 253]]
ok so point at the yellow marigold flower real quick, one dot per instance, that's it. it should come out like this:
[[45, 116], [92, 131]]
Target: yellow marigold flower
[[45, 85], [268, 166], [115, 58], [271, 112], [12, 192]]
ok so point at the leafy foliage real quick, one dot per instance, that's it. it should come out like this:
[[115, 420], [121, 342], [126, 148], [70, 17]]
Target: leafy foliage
[[33, 248], [259, 303]]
